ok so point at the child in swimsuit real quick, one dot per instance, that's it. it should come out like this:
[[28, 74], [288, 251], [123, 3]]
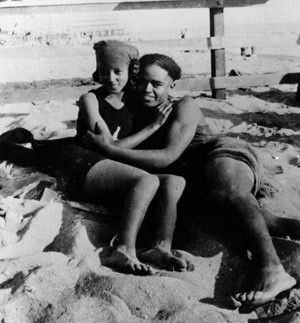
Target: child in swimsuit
[[85, 173], [106, 110]]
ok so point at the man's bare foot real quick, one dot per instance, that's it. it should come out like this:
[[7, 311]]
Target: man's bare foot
[[265, 286], [124, 262], [175, 260]]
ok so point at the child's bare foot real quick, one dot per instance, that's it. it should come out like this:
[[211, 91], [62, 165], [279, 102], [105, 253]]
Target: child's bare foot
[[160, 257], [123, 261], [186, 256], [265, 286]]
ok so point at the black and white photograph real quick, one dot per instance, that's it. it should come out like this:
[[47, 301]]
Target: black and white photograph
[[149, 161]]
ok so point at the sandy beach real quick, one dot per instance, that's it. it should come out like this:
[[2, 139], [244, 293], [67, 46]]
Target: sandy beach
[[61, 279]]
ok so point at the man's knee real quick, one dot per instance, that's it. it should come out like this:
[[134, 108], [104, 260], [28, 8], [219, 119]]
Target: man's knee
[[226, 196], [233, 201], [229, 176], [218, 196]]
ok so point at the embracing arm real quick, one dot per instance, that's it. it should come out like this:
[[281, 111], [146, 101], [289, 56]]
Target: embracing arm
[[89, 111], [161, 115], [181, 130]]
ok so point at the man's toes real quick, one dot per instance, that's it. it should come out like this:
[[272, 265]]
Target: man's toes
[[243, 297], [258, 296], [250, 296]]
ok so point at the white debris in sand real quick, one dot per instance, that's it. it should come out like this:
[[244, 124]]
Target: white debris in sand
[[29, 234]]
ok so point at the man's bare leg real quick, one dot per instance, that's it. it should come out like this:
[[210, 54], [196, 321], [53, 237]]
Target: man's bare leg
[[116, 180], [168, 195], [230, 184], [282, 227]]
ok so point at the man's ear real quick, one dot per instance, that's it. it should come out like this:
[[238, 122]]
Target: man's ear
[[172, 85]]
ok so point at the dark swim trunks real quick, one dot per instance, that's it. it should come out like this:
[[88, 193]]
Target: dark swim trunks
[[238, 150], [66, 159], [69, 162], [192, 164]]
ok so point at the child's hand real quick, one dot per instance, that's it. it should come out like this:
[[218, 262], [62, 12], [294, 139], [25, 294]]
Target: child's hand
[[162, 113], [98, 138]]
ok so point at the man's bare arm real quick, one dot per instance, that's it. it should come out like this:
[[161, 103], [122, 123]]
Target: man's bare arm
[[89, 111], [185, 119]]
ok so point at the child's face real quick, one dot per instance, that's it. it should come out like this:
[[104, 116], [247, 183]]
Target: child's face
[[114, 78]]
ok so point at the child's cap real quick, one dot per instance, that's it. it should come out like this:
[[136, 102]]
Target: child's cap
[[113, 52]]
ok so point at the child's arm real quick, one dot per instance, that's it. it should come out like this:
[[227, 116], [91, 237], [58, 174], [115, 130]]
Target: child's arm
[[89, 111], [134, 140], [179, 134]]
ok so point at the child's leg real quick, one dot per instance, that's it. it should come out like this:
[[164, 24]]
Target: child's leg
[[168, 195], [114, 180]]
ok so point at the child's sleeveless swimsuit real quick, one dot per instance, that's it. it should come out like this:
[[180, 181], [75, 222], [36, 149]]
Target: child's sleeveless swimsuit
[[69, 160]]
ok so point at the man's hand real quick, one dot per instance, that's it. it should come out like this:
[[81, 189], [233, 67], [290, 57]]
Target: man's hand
[[161, 114], [98, 138]]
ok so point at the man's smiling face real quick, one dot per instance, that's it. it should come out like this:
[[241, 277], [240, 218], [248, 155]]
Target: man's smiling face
[[154, 85]]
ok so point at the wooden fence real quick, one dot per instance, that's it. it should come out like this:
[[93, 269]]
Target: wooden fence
[[218, 83]]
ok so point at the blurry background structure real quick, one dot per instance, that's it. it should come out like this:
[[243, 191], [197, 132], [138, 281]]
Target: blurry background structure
[[248, 27]]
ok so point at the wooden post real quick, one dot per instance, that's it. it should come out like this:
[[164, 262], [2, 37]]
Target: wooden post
[[217, 55], [297, 98]]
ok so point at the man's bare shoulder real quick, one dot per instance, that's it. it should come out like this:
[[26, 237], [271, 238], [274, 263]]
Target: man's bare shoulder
[[186, 109]]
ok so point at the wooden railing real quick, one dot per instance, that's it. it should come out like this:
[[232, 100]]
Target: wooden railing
[[218, 83]]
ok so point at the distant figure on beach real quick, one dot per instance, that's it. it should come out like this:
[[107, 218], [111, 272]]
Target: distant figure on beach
[[183, 33], [89, 175], [226, 170]]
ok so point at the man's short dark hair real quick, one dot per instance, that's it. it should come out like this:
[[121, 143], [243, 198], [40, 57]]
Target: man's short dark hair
[[163, 61]]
